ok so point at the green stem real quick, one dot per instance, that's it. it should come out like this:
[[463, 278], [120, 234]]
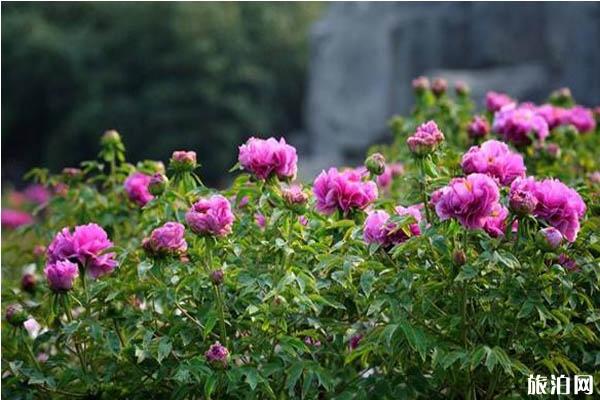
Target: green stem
[[30, 351], [423, 184], [119, 334], [78, 350], [219, 299]]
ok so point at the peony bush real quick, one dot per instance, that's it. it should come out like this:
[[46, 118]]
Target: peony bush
[[460, 259]]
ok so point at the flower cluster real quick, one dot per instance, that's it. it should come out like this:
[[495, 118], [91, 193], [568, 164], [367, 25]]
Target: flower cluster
[[426, 138], [345, 191], [495, 159], [136, 186], [265, 157], [168, 239], [210, 216]]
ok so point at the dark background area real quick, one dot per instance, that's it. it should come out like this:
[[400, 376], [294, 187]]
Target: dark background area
[[197, 76]]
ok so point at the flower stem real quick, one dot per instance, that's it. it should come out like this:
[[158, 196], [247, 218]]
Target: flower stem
[[78, 350], [423, 184]]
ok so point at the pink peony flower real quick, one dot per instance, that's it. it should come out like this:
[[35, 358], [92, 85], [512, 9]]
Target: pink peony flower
[[495, 159], [210, 216], [494, 101], [37, 193], [380, 230], [168, 239], [217, 353], [470, 200], [384, 181], [136, 186], [495, 223], [581, 118], [553, 115], [560, 206], [85, 245], [518, 124], [12, 219], [266, 157], [343, 191], [61, 275], [478, 127], [426, 138]]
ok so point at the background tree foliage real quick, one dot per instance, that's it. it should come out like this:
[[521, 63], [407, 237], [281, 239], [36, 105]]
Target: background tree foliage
[[182, 75]]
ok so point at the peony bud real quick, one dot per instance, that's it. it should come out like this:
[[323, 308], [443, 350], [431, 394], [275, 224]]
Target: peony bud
[[73, 174], [549, 238], [183, 160], [562, 97], [217, 276], [478, 127], [375, 164], [426, 139], [461, 88], [420, 84], [111, 138], [439, 86], [522, 202], [217, 354], [552, 150], [28, 283], [16, 315], [294, 195], [158, 184], [459, 257], [354, 341]]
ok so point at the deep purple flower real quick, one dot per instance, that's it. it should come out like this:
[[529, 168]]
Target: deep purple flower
[[478, 127], [136, 186], [12, 219], [168, 239], [210, 216], [426, 138], [266, 157], [28, 282], [217, 354], [343, 191], [495, 159], [354, 341], [61, 275], [519, 124], [470, 200], [494, 101]]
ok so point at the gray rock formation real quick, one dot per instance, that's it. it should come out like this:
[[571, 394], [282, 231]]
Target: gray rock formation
[[364, 56]]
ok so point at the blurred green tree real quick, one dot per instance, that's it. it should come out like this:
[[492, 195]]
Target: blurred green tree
[[199, 76]]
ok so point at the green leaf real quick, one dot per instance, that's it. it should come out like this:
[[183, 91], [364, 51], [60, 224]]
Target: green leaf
[[367, 279], [209, 385], [164, 348], [293, 375]]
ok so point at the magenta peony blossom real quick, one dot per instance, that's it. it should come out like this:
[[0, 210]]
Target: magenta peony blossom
[[581, 118], [550, 238], [86, 245], [61, 275], [136, 186], [266, 157], [210, 216], [426, 138], [494, 101], [168, 239], [478, 127], [495, 159], [470, 200], [553, 115], [560, 206], [495, 223], [217, 353], [343, 191], [521, 198], [384, 181], [380, 230], [519, 124], [13, 219]]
